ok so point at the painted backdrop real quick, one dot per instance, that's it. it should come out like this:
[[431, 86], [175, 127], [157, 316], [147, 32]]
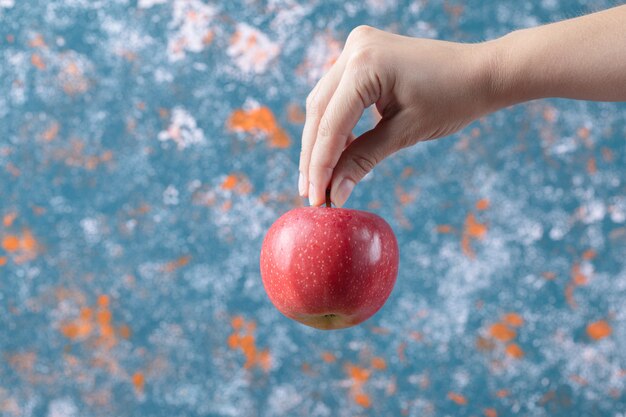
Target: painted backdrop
[[146, 146]]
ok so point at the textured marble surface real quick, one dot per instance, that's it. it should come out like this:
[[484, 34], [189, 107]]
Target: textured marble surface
[[146, 146]]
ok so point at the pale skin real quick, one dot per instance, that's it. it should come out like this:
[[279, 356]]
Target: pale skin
[[426, 89]]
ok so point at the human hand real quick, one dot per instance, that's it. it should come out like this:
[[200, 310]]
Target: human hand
[[423, 89]]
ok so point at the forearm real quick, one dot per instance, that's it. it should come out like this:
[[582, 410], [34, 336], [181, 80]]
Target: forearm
[[581, 58]]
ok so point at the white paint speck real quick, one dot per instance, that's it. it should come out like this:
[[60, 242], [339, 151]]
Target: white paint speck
[[183, 129], [251, 49], [62, 407], [170, 196], [146, 4], [91, 229]]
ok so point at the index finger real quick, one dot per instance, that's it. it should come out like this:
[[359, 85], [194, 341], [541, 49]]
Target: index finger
[[341, 116]]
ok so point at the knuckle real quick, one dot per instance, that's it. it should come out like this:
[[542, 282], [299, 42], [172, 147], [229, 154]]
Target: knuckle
[[312, 105], [406, 140], [364, 163], [364, 57], [318, 170], [407, 137], [364, 73], [324, 130], [360, 33]]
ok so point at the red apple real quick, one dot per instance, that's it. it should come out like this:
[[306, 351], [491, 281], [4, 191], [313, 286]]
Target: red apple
[[329, 268]]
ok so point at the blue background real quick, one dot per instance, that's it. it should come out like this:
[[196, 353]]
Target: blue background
[[133, 207]]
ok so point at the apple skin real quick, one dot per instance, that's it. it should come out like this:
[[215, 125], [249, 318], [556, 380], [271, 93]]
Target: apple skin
[[329, 268]]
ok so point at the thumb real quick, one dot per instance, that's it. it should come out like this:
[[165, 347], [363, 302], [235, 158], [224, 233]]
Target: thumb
[[362, 155]]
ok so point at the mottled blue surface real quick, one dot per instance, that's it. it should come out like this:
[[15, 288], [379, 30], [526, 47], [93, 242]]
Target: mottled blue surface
[[135, 192]]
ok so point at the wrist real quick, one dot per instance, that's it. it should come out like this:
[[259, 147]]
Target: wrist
[[507, 78]]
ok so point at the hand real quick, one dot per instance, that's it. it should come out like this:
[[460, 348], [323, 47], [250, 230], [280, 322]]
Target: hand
[[424, 89]]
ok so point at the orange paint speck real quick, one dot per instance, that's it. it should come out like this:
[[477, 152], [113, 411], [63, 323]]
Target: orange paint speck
[[178, 263], [444, 228], [592, 167], [139, 381], [124, 331], [417, 336], [577, 276], [467, 247], [51, 132], [37, 41], [28, 242], [503, 393], [579, 380], [404, 197], [233, 341], [482, 204], [13, 170], [599, 330], [86, 313], [607, 154], [227, 205], [246, 343], [490, 412], [8, 219], [208, 37], [485, 344], [103, 300], [501, 332], [400, 351], [237, 322], [358, 374], [295, 114], [76, 330], [514, 351], [457, 398], [10, 243], [229, 182], [569, 296], [259, 120], [265, 360], [104, 317], [513, 319], [3, 260], [472, 230], [583, 132], [380, 330], [25, 246], [589, 254], [37, 62], [379, 363], [91, 319], [550, 114], [328, 357], [363, 400]]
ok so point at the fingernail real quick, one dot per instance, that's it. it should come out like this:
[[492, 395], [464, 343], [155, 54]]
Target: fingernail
[[301, 184], [312, 195], [343, 192]]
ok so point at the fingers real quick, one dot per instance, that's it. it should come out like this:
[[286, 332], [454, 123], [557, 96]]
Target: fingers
[[356, 91], [363, 155], [316, 104]]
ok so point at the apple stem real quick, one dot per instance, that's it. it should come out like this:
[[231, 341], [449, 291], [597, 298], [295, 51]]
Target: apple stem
[[328, 197]]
